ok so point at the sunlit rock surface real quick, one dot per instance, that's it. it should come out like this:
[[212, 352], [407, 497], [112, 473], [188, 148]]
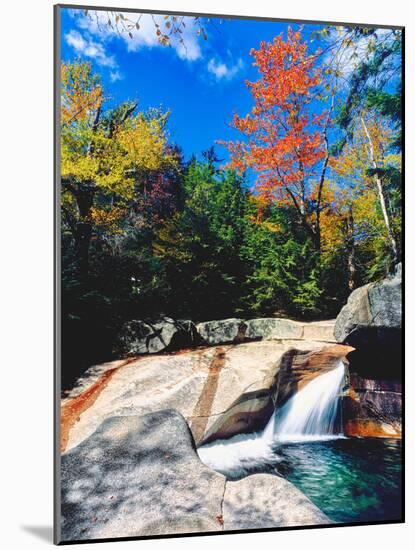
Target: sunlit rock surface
[[141, 476], [221, 391], [372, 311]]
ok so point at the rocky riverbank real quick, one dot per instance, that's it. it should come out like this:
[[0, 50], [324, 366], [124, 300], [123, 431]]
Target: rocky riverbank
[[130, 427], [120, 442]]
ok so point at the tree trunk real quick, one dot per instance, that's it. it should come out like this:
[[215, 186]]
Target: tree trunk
[[378, 181], [317, 229], [350, 246], [302, 199]]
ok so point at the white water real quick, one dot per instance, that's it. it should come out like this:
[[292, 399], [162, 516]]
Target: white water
[[238, 455], [309, 415]]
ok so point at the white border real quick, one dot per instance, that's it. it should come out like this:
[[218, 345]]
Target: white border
[[27, 266]]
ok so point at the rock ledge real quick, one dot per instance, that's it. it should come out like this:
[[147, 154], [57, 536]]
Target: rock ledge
[[141, 476]]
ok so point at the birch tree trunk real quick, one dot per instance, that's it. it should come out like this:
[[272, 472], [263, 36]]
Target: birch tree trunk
[[381, 195], [350, 243]]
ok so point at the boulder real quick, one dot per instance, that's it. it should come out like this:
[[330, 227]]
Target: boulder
[[374, 308], [225, 331], [273, 329], [141, 337], [141, 476]]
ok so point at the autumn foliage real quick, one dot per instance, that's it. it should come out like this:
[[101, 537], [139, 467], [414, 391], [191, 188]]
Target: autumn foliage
[[284, 139]]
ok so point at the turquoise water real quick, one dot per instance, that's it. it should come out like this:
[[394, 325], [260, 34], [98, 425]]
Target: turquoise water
[[351, 480]]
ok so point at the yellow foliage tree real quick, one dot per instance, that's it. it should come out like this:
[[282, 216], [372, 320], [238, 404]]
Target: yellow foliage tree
[[104, 156], [81, 92], [355, 213]]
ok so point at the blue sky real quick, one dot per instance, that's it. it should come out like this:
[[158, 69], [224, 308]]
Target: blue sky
[[202, 85]]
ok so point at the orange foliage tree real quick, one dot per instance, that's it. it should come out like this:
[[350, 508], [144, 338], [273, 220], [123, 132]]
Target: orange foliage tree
[[285, 141]]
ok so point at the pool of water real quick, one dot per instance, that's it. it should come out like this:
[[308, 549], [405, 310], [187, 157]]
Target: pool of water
[[351, 480]]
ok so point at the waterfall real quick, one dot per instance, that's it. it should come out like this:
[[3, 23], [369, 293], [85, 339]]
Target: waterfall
[[310, 414]]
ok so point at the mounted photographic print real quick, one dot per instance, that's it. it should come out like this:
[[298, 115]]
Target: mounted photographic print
[[228, 274]]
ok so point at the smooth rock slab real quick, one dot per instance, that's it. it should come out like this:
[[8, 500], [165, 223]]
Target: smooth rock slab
[[263, 501], [220, 391], [141, 476], [135, 476]]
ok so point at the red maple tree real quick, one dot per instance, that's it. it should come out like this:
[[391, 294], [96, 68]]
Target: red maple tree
[[286, 142]]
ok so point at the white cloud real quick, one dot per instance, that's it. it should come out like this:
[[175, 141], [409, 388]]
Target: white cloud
[[221, 70], [145, 36], [90, 48], [74, 39], [115, 75], [96, 23]]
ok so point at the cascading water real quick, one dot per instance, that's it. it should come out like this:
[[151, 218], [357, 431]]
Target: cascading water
[[311, 413], [308, 415]]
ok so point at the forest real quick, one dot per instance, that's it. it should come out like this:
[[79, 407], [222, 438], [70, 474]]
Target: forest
[[302, 207]]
